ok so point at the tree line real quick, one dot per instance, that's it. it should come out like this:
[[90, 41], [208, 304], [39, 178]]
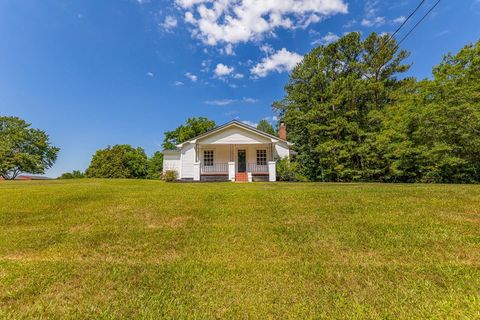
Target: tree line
[[352, 118]]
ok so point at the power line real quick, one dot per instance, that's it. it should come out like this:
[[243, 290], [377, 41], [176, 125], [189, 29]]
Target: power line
[[398, 29], [418, 23], [406, 20]]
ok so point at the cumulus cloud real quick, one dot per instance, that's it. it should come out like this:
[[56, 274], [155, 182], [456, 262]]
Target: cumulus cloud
[[178, 83], [191, 76], [235, 21], [281, 61], [222, 70]]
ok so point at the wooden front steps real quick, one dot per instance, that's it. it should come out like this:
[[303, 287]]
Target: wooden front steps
[[241, 177]]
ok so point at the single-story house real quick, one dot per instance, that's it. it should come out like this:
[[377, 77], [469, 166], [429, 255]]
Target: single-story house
[[234, 151]]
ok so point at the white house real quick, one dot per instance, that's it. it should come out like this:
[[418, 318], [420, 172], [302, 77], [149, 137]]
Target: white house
[[231, 152]]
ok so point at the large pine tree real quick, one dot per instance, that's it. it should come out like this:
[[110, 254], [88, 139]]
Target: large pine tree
[[334, 102]]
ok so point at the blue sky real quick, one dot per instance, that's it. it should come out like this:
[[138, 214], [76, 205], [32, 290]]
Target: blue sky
[[97, 73]]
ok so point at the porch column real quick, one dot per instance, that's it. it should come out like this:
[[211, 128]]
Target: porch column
[[272, 171], [196, 171], [231, 171]]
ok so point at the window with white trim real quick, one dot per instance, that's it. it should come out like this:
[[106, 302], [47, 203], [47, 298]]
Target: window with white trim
[[208, 158], [261, 157]]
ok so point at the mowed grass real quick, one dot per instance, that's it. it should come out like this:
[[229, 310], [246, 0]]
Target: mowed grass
[[147, 249]]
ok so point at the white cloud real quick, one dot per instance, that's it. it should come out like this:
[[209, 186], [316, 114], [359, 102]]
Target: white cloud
[[281, 61], [350, 24], [443, 32], [267, 49], [250, 100], [371, 18], [222, 70], [373, 22], [206, 65], [229, 50], [169, 23], [226, 102], [399, 20], [222, 102], [191, 76], [234, 21], [238, 76], [327, 39], [150, 74], [178, 83]]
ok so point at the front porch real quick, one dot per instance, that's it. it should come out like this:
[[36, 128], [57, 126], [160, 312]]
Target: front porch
[[234, 162]]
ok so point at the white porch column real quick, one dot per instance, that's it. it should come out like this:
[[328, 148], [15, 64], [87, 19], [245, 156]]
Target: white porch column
[[196, 171], [272, 171], [231, 171]]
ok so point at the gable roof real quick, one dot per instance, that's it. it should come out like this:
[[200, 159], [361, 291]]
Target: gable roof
[[234, 123]]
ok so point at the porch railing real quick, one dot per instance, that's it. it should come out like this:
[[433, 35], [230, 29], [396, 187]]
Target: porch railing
[[215, 168], [257, 168]]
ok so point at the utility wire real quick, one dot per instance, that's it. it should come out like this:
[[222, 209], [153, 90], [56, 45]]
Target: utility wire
[[410, 31], [418, 23], [398, 29], [406, 20]]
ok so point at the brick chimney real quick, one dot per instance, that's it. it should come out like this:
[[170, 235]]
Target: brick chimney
[[282, 131]]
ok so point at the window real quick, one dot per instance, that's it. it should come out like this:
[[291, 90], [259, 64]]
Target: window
[[261, 157], [208, 158]]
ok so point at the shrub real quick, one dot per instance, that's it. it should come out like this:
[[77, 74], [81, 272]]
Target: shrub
[[75, 174], [170, 175], [289, 171], [118, 162]]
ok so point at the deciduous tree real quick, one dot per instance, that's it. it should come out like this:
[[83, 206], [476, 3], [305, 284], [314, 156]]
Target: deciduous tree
[[119, 161], [192, 128], [24, 149]]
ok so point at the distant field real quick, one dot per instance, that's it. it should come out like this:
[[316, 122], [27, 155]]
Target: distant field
[[145, 249]]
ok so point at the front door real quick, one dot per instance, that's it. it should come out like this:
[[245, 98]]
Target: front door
[[242, 161]]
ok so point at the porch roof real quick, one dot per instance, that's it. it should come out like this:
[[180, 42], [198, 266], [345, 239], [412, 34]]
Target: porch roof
[[238, 124]]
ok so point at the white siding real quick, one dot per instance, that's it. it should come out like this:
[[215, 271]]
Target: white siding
[[188, 158], [171, 161]]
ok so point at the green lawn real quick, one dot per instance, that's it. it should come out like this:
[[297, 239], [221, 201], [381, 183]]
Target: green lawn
[[146, 249]]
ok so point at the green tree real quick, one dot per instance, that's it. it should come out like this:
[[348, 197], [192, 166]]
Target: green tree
[[119, 161], [432, 132], [75, 174], [266, 127], [24, 149], [192, 128], [334, 103], [155, 166]]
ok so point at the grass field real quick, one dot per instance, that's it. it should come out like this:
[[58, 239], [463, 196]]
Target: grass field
[[146, 249]]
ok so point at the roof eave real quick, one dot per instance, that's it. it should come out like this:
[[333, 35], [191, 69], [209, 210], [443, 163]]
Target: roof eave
[[273, 138]]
